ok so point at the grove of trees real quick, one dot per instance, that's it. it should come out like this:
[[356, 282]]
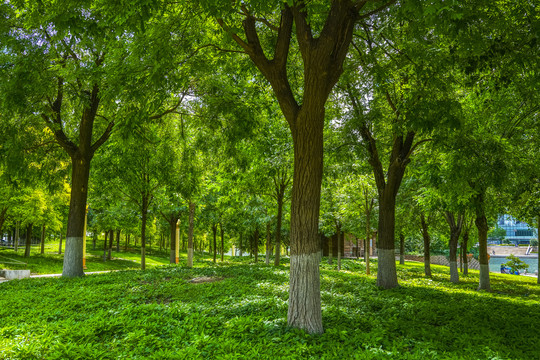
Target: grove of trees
[[259, 126]]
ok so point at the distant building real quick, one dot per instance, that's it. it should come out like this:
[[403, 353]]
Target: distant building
[[517, 232]]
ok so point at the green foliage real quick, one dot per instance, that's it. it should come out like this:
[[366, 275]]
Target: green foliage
[[238, 310], [515, 264]]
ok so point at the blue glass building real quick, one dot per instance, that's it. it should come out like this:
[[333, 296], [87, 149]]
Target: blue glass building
[[517, 232]]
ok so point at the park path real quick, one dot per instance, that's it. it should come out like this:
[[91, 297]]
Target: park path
[[59, 275]]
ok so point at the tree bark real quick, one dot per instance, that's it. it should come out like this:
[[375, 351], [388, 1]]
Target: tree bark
[[73, 256], [338, 238], [330, 250], [222, 235], [214, 232], [386, 269], [117, 240], [280, 196], [401, 249], [16, 241], [42, 239], [427, 244], [256, 245], [111, 239], [482, 226], [455, 231], [190, 234], [2, 219], [28, 240], [268, 244], [144, 209], [105, 246], [172, 223]]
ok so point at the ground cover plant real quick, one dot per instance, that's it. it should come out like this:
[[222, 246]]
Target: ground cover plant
[[237, 310]]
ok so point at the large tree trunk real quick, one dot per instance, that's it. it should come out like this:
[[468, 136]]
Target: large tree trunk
[[455, 231], [222, 236], [305, 298], [386, 269], [401, 249], [190, 234], [117, 240], [28, 240], [73, 257], [42, 239], [482, 226], [427, 244], [214, 233]]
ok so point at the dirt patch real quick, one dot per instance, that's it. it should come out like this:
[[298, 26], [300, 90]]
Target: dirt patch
[[205, 279]]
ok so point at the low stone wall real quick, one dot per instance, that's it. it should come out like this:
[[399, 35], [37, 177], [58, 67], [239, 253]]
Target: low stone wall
[[14, 274], [443, 260]]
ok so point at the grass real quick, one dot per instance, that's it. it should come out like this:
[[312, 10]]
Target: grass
[[51, 262], [238, 310]]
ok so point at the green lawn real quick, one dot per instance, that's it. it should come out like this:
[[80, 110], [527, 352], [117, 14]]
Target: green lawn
[[51, 261], [238, 311]]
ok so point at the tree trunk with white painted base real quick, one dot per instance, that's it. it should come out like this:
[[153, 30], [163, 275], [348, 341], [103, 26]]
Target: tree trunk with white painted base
[[455, 230]]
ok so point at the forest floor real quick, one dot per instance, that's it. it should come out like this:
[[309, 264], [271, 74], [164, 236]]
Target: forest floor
[[238, 310]]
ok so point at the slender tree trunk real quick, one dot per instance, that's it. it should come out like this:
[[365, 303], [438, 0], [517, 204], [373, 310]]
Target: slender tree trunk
[[256, 245], [109, 249], [214, 233], [105, 246], [28, 240], [330, 250], [60, 243], [482, 226], [127, 241], [367, 247], [340, 238], [16, 243], [222, 235], [465, 252], [42, 239], [268, 244], [145, 203], [117, 240], [277, 253], [172, 254], [455, 231], [2, 220], [427, 244], [401, 249], [190, 234]]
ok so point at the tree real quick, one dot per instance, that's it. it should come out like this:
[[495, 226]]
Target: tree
[[322, 59]]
